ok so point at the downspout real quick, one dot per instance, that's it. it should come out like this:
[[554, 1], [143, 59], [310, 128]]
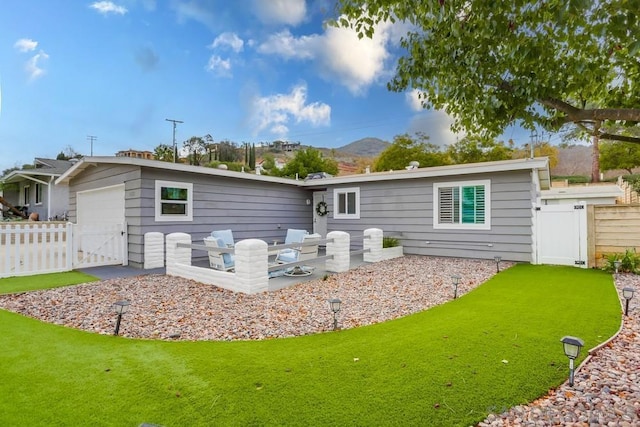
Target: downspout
[[51, 179]]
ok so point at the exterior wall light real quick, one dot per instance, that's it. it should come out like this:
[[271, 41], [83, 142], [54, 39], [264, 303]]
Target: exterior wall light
[[627, 293], [120, 307], [497, 259], [456, 282], [572, 346], [334, 304]]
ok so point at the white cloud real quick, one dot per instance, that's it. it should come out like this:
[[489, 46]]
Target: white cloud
[[339, 54], [437, 125], [289, 12], [219, 66], [33, 67], [228, 40], [415, 103], [26, 45], [193, 10], [107, 7], [284, 44], [274, 113]]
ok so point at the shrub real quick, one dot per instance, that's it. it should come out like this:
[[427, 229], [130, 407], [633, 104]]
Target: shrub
[[390, 242], [629, 262]]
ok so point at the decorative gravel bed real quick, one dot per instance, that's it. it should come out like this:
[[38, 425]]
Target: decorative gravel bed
[[172, 308]]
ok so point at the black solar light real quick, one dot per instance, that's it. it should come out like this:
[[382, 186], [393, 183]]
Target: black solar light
[[497, 259], [572, 346], [121, 307], [334, 304], [456, 282], [627, 293]]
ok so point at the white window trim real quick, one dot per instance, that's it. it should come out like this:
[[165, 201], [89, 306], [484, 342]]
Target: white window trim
[[487, 205], [336, 193], [40, 189], [189, 202]]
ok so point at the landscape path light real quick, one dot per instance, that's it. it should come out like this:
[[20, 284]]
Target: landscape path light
[[497, 259], [627, 293], [334, 304], [616, 264], [120, 307], [572, 346], [456, 281]]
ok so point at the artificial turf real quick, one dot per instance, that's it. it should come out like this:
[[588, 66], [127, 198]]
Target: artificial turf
[[43, 281], [493, 348]]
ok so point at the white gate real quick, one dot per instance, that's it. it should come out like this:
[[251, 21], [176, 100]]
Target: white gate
[[561, 234], [99, 244]]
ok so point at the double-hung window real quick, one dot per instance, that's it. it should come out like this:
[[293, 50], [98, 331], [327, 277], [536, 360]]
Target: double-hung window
[[346, 203], [174, 201], [462, 205]]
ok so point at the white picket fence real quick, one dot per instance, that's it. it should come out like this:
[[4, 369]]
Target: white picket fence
[[50, 247]]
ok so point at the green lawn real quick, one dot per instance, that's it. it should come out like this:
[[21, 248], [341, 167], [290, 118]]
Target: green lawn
[[43, 281], [495, 347]]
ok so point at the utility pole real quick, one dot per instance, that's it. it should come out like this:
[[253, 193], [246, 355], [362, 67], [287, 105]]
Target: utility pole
[[91, 138], [175, 149]]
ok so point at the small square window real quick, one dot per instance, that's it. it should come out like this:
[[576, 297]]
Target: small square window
[[174, 201], [346, 202]]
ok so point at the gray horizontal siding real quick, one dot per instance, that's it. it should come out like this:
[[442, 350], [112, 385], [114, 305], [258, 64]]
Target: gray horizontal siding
[[406, 207], [252, 209]]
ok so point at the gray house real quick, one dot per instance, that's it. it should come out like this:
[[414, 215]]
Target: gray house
[[475, 210], [34, 188]]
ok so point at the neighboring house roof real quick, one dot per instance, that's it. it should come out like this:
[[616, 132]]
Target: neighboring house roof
[[44, 167], [583, 192], [538, 165]]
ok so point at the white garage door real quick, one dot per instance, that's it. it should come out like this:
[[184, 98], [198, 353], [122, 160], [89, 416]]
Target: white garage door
[[101, 206], [100, 236]]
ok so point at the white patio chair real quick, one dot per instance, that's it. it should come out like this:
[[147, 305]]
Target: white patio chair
[[225, 235], [218, 260]]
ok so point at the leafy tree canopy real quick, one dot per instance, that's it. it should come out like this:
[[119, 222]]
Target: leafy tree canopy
[[620, 155], [474, 149], [491, 64], [405, 150], [543, 149], [305, 162], [163, 152]]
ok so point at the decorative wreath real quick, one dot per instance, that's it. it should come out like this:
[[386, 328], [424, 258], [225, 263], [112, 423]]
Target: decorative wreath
[[321, 208]]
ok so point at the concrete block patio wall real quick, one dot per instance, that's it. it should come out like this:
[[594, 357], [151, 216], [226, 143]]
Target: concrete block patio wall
[[251, 259]]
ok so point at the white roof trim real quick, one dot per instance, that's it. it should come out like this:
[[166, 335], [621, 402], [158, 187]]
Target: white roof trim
[[541, 165], [85, 162], [594, 191]]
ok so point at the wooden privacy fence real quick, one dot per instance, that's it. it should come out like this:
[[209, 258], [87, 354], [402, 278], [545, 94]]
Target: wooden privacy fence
[[35, 248], [612, 229]]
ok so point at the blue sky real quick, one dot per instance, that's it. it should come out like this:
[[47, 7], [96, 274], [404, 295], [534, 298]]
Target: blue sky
[[245, 70]]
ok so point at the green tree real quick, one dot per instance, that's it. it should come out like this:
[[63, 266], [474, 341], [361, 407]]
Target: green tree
[[196, 148], [305, 162], [404, 150], [543, 149], [619, 155], [228, 152], [492, 64], [163, 152], [269, 162], [252, 157], [474, 149]]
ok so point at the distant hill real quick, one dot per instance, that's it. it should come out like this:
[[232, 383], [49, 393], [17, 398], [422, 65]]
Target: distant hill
[[365, 147]]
